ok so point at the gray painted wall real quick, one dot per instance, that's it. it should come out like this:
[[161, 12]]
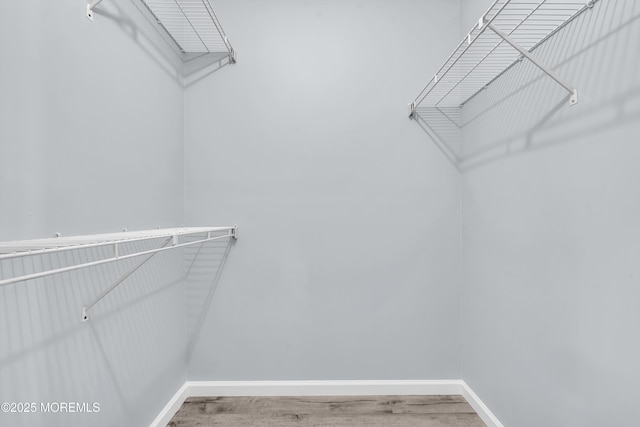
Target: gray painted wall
[[551, 237], [470, 13], [347, 262], [91, 135]]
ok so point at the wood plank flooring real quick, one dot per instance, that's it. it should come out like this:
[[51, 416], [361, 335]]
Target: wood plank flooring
[[371, 411]]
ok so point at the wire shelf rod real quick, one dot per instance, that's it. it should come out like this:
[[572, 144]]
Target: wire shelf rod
[[58, 244], [191, 24], [231, 234]]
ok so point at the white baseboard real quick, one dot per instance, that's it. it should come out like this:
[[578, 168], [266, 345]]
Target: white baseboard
[[324, 388], [481, 409], [172, 407]]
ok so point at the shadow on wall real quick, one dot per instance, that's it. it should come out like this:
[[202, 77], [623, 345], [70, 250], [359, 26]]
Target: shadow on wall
[[204, 266], [159, 46], [524, 110], [114, 359]]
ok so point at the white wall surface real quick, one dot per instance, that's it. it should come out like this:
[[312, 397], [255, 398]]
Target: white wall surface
[[347, 262], [90, 141], [551, 238], [470, 13]]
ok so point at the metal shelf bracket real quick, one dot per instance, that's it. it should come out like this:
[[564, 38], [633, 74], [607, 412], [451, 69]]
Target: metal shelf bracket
[[170, 243], [90, 6], [573, 92], [85, 309]]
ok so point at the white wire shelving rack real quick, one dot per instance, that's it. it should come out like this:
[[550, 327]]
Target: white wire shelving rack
[[192, 25], [168, 238], [506, 34]]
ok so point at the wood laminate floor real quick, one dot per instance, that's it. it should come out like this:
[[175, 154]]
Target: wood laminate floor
[[387, 411]]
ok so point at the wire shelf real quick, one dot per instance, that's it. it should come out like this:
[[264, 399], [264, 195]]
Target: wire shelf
[[482, 56], [192, 25], [121, 249], [51, 244]]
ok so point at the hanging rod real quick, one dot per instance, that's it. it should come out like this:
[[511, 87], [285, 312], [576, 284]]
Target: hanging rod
[[16, 249], [517, 27]]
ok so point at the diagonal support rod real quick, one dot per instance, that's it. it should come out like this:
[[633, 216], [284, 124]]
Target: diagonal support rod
[[232, 233], [573, 99], [86, 308]]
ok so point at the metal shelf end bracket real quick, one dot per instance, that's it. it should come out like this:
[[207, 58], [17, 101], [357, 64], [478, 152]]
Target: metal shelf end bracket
[[90, 6], [412, 109], [573, 99]]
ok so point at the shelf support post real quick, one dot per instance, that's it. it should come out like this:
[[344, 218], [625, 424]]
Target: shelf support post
[[573, 99]]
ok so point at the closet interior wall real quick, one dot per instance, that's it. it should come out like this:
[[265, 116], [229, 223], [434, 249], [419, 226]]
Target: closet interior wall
[[356, 255], [91, 141], [347, 267], [551, 238]]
